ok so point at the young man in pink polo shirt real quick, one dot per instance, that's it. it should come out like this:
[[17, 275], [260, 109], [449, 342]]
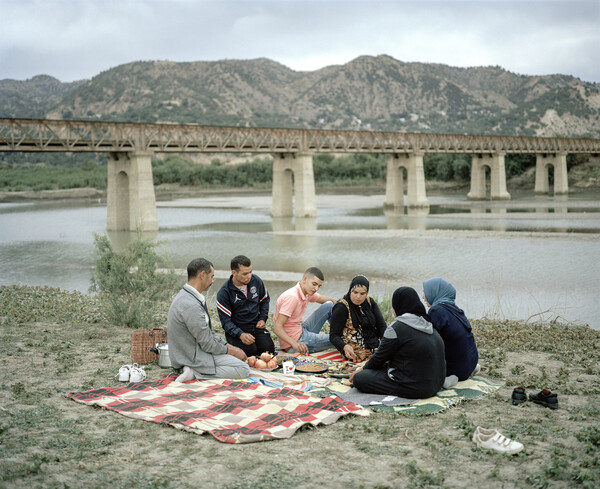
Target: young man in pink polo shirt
[[294, 334]]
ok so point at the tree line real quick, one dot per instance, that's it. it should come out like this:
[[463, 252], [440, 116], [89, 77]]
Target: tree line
[[59, 171]]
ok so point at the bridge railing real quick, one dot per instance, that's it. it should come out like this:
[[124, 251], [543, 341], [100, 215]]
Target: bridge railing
[[102, 136]]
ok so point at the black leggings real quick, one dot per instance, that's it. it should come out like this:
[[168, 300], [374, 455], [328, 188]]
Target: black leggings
[[373, 381], [262, 342]]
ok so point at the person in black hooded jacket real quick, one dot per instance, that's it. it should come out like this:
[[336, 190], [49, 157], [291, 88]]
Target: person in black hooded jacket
[[410, 360]]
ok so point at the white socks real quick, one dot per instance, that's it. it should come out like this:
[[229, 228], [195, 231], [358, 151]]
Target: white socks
[[188, 374], [450, 381]]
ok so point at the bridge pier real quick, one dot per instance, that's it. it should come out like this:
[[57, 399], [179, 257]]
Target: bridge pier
[[495, 162], [293, 186], [415, 181], [561, 182], [130, 198]]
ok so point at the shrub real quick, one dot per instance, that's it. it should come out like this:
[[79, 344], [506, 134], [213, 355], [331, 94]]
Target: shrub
[[135, 294]]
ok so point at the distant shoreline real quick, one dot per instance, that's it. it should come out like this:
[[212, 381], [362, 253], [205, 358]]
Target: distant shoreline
[[171, 191]]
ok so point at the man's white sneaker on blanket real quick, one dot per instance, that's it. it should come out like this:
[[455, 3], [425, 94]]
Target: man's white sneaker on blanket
[[188, 374], [477, 370], [137, 374], [450, 381]]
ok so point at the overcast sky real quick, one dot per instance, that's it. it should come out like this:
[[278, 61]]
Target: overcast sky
[[77, 39]]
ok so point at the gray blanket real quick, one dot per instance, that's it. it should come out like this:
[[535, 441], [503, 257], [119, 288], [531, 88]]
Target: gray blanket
[[362, 399]]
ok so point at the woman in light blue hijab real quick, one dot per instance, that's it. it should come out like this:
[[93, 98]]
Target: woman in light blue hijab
[[454, 328]]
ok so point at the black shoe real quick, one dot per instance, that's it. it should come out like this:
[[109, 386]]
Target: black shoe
[[545, 398], [519, 396]]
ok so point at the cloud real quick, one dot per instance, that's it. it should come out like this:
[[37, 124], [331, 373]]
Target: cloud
[[75, 39]]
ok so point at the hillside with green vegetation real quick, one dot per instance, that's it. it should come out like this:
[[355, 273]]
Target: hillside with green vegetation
[[368, 93], [32, 98]]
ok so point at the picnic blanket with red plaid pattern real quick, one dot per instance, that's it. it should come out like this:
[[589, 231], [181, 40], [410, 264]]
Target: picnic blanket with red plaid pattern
[[232, 411], [331, 355]]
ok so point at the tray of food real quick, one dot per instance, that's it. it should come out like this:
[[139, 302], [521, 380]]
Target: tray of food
[[311, 367]]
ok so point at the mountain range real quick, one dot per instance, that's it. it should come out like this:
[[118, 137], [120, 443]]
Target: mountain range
[[368, 93]]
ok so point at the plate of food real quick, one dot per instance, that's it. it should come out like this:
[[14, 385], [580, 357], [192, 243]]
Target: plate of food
[[266, 369], [283, 358], [265, 362], [340, 376], [342, 370], [311, 367]]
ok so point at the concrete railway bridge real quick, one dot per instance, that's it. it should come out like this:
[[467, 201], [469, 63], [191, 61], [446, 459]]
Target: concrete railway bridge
[[129, 148]]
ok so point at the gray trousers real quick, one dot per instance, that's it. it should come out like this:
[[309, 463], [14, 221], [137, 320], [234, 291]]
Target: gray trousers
[[228, 367]]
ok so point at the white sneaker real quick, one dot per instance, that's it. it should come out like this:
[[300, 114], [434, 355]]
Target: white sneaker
[[137, 374], [494, 440], [476, 371], [124, 373]]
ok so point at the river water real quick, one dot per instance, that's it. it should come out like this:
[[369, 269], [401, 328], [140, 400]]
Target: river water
[[535, 258]]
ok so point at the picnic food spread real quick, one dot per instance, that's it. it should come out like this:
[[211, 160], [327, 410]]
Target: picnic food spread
[[311, 367], [266, 361], [306, 364]]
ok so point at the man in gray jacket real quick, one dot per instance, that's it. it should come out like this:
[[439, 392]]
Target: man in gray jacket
[[192, 343]]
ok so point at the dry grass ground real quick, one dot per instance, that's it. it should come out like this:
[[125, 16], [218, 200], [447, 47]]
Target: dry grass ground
[[55, 341]]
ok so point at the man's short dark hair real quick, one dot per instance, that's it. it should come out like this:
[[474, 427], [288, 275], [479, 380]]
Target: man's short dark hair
[[198, 265], [314, 272], [240, 261]]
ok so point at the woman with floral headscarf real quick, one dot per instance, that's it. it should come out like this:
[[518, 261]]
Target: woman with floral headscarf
[[454, 328], [410, 359], [356, 325]]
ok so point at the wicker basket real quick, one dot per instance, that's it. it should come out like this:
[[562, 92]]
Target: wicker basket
[[141, 342]]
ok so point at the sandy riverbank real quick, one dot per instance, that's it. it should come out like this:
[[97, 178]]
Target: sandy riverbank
[[50, 441], [173, 191]]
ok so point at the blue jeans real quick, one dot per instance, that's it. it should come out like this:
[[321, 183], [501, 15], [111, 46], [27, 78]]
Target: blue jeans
[[311, 326]]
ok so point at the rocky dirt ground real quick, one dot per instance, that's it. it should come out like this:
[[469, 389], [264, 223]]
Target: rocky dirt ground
[[56, 341]]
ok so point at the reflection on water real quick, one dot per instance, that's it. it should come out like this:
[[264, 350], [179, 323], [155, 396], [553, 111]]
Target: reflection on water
[[406, 218], [293, 223], [287, 244], [558, 204], [482, 208], [496, 272], [560, 213]]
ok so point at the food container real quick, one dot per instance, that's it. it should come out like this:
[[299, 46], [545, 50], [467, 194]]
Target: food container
[[162, 350]]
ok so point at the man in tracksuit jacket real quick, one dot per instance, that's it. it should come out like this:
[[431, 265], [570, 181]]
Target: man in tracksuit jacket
[[243, 306]]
